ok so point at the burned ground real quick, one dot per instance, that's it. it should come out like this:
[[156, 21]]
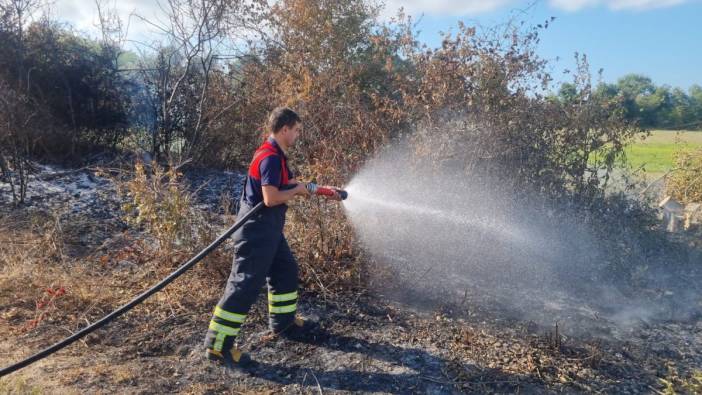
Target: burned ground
[[71, 236]]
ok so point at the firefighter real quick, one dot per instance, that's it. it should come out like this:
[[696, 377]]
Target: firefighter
[[261, 253]]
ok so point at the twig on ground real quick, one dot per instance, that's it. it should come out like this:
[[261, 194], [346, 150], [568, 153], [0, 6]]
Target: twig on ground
[[319, 387]]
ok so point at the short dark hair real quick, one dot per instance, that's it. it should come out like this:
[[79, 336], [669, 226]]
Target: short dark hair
[[282, 116]]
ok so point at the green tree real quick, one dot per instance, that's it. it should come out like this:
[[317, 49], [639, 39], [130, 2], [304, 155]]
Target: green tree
[[607, 91], [681, 111], [695, 93], [567, 93], [653, 106]]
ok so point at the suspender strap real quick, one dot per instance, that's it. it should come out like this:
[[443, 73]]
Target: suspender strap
[[263, 152]]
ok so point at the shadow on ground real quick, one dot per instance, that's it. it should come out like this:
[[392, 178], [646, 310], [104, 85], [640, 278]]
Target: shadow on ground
[[349, 363]]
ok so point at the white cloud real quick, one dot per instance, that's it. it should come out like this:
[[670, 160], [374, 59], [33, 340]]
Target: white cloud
[[475, 7], [444, 7], [83, 15], [615, 5], [572, 5]]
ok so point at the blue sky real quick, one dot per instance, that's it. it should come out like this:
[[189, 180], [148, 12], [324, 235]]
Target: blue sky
[[658, 38]]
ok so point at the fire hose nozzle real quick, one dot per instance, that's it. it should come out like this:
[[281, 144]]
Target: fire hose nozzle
[[322, 191]]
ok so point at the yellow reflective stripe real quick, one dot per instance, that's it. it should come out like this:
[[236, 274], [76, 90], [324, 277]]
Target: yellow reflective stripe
[[219, 341], [229, 331], [233, 317], [282, 297], [283, 309]]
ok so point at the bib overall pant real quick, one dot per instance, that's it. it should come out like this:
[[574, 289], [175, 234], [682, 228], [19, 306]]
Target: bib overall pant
[[261, 255]]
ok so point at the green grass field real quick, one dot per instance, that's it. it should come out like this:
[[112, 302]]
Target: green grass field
[[655, 153]]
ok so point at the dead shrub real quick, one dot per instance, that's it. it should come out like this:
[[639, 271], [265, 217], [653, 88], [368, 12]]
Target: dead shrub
[[475, 102], [685, 184], [162, 204]]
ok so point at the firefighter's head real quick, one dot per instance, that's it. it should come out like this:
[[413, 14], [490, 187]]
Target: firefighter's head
[[285, 125]]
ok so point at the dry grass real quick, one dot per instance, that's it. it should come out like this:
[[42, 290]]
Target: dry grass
[[677, 383], [140, 351], [160, 202], [49, 291], [686, 183], [19, 385], [40, 283]]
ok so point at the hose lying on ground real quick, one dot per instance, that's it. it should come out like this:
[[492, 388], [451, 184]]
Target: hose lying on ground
[[106, 319]]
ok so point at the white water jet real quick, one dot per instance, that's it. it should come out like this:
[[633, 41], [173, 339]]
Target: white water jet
[[449, 235]]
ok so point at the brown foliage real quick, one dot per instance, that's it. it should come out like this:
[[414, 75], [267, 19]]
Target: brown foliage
[[321, 61], [476, 102], [685, 184]]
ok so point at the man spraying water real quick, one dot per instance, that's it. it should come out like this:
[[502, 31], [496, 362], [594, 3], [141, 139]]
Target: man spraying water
[[261, 253]]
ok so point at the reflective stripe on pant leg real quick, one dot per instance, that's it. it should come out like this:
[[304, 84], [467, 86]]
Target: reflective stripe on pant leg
[[222, 332], [219, 341], [227, 330], [283, 309], [229, 316], [282, 303], [282, 297]]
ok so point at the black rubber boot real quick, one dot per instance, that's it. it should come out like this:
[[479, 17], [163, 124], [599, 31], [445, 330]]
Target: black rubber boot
[[232, 358], [300, 330]]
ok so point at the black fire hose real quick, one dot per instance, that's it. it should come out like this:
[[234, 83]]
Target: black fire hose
[[106, 319]]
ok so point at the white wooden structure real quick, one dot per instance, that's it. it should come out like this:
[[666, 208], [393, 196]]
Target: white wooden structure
[[693, 216], [673, 214]]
